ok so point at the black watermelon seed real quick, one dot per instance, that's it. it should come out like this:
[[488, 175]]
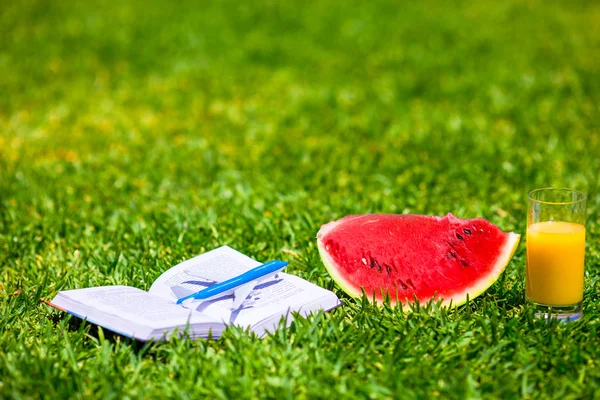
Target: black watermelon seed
[[459, 236], [464, 263], [388, 269], [467, 231]]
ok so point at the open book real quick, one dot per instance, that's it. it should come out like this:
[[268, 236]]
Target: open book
[[155, 315]]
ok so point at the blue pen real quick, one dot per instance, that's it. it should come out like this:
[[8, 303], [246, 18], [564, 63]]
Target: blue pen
[[240, 285]]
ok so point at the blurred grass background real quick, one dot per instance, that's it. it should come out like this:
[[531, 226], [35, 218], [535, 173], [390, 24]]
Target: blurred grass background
[[137, 134]]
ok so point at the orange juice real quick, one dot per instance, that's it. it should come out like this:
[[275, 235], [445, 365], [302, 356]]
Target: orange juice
[[555, 253]]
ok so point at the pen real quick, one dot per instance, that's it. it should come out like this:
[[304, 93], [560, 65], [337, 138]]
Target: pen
[[254, 274]]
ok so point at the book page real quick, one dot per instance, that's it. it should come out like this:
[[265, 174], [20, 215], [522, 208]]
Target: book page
[[201, 272], [124, 302], [278, 298]]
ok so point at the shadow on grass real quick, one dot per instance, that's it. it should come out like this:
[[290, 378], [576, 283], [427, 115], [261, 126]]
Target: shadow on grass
[[98, 333]]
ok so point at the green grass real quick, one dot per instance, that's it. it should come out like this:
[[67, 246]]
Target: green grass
[[134, 135]]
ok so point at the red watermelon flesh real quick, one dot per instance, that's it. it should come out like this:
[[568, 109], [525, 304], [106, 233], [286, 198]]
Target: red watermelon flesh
[[415, 256]]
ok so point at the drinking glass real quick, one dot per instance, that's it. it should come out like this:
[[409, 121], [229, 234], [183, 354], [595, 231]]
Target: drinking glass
[[555, 252]]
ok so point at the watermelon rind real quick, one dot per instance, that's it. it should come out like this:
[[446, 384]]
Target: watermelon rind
[[507, 252]]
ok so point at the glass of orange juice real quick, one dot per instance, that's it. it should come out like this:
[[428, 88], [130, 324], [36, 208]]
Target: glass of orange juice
[[555, 252]]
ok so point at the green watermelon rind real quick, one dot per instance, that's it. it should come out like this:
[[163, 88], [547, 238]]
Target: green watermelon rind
[[471, 292]]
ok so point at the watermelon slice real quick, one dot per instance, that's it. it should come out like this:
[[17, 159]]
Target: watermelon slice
[[415, 256]]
